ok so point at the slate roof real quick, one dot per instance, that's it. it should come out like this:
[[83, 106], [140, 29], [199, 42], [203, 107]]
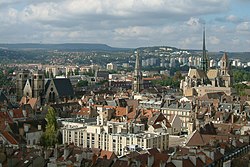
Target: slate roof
[[63, 86], [2, 97], [196, 73]]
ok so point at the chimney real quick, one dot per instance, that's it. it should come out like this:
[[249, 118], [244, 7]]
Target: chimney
[[177, 104], [26, 127], [65, 152], [127, 110], [150, 160], [39, 127], [222, 151], [24, 113], [11, 113], [55, 151], [182, 104], [232, 118]]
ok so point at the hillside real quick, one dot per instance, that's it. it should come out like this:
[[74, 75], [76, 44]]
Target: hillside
[[63, 47]]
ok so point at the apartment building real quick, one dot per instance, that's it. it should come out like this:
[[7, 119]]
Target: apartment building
[[183, 110], [115, 136]]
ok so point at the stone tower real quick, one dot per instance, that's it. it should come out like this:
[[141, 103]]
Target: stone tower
[[37, 83], [21, 78], [225, 71], [204, 59], [137, 85]]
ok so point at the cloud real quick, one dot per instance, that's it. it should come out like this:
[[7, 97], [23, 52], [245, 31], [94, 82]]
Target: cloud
[[123, 23], [243, 27], [232, 18], [213, 40]]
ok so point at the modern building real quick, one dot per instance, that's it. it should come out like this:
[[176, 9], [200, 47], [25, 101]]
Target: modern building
[[111, 66], [115, 136]]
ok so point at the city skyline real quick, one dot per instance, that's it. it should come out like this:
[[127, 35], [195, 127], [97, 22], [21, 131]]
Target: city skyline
[[128, 23]]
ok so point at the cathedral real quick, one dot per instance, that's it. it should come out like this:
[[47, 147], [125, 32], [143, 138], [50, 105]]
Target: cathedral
[[200, 81], [34, 85]]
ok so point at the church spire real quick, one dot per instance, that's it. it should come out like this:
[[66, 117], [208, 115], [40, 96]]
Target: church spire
[[204, 60], [137, 85]]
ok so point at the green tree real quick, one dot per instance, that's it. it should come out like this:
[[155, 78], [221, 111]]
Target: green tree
[[49, 138], [240, 89]]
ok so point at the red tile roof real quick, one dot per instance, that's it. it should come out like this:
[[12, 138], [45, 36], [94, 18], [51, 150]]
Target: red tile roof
[[107, 154], [9, 137], [18, 113]]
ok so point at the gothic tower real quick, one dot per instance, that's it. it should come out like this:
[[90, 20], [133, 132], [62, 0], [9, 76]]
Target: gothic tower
[[137, 85], [204, 59], [225, 71], [38, 83], [21, 78]]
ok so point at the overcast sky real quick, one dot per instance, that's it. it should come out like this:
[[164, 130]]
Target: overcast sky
[[128, 23]]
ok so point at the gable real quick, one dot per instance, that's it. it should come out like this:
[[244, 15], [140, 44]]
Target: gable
[[195, 139], [63, 87]]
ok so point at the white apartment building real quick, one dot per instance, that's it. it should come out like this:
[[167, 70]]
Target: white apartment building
[[70, 70], [52, 70], [111, 66], [115, 136]]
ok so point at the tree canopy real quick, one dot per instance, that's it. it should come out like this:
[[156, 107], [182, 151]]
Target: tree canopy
[[49, 138]]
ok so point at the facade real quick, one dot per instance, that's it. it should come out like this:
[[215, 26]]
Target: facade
[[114, 137], [31, 85], [52, 71], [21, 79], [184, 112], [58, 89]]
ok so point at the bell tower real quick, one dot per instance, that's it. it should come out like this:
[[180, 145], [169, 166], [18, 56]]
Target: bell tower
[[21, 78], [38, 83], [137, 84], [225, 71]]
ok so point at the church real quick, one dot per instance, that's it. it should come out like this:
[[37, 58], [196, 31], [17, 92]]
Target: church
[[34, 85], [200, 81]]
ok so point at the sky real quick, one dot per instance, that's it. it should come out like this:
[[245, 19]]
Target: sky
[[128, 23]]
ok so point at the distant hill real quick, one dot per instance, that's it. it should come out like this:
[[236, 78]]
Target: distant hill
[[64, 47]]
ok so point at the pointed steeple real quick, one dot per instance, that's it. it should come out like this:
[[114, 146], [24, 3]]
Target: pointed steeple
[[137, 85], [204, 60]]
